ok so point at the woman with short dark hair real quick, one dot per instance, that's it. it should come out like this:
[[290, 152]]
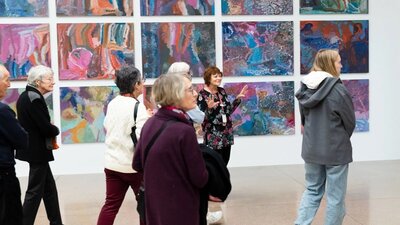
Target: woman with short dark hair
[[118, 122]]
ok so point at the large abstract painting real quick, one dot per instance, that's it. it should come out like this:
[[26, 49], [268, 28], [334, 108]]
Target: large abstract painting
[[257, 7], [176, 7], [359, 91], [23, 46], [94, 50], [350, 38], [267, 108], [257, 48], [13, 94], [333, 6], [82, 113], [94, 8], [166, 43], [23, 8]]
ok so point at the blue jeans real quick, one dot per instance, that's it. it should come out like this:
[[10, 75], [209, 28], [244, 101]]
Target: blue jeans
[[319, 178]]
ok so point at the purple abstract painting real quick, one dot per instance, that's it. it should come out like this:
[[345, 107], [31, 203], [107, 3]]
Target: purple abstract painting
[[359, 91], [333, 6], [350, 38], [267, 108], [257, 48], [257, 7], [23, 46], [94, 8], [176, 7], [94, 50], [166, 43]]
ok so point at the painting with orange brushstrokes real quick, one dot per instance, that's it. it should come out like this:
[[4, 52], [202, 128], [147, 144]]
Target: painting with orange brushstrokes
[[350, 38], [23, 46], [82, 113], [166, 43], [13, 94], [94, 8], [176, 7], [267, 108], [257, 7], [94, 50]]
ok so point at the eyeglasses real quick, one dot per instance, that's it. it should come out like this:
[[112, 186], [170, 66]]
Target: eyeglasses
[[191, 90]]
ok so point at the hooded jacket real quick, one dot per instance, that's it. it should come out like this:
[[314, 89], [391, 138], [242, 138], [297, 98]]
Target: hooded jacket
[[327, 115]]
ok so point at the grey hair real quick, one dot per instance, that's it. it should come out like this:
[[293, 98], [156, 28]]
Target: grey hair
[[179, 67], [38, 73], [169, 89]]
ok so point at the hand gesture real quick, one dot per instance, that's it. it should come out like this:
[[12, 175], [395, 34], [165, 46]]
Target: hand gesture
[[211, 103], [242, 92]]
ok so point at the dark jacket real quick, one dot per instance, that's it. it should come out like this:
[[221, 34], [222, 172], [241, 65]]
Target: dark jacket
[[219, 182], [12, 136], [174, 170], [34, 117], [327, 115]]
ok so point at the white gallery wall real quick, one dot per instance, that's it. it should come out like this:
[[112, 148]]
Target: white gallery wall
[[382, 142]]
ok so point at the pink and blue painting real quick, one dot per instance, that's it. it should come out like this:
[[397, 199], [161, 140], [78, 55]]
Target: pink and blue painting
[[23, 8], [23, 46], [176, 7], [267, 108], [94, 50], [94, 8], [359, 91], [13, 94], [257, 7], [350, 38], [82, 113], [166, 43], [257, 48], [333, 6]]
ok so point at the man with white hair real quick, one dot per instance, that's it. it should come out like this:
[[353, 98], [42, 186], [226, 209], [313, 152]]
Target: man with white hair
[[12, 137]]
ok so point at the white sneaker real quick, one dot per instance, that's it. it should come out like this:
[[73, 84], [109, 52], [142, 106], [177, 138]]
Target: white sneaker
[[214, 217]]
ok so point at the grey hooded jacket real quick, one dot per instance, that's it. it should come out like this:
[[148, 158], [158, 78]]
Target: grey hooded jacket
[[327, 114]]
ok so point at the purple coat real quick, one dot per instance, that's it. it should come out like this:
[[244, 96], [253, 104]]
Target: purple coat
[[174, 170]]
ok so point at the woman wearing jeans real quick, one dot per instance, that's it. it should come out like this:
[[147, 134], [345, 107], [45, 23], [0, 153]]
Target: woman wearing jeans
[[327, 115]]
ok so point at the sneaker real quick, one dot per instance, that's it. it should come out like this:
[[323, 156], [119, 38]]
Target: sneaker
[[214, 217], [214, 199]]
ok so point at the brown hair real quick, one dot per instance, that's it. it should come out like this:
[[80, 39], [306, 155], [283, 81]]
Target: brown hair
[[209, 72], [325, 61]]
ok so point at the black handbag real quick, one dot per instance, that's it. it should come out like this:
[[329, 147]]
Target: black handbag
[[141, 207], [133, 129]]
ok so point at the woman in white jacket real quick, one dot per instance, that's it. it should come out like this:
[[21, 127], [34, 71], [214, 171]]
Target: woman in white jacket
[[119, 152]]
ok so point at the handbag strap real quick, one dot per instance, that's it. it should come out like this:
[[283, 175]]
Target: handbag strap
[[133, 129], [153, 139], [135, 112]]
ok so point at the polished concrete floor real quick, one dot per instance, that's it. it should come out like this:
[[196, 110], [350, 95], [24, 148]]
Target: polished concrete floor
[[267, 195]]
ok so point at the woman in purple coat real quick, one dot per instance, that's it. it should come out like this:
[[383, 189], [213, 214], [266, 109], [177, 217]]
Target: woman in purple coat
[[174, 170]]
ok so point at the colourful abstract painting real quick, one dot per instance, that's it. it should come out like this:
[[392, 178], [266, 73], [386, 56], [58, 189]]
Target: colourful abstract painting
[[94, 50], [359, 91], [166, 43], [23, 46], [267, 109], [94, 8], [350, 38], [23, 8], [257, 7], [13, 94], [333, 6], [82, 113], [176, 7], [257, 48]]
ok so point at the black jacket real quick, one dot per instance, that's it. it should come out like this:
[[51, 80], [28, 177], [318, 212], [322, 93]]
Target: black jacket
[[12, 136], [34, 117], [219, 182]]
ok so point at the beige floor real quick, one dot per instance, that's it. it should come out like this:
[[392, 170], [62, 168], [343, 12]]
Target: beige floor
[[266, 195]]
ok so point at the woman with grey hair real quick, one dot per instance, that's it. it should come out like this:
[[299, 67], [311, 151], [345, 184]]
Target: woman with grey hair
[[173, 168], [196, 115], [120, 148], [35, 119]]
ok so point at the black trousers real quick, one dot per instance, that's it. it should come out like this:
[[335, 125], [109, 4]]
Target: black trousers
[[225, 152], [10, 197], [41, 185]]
